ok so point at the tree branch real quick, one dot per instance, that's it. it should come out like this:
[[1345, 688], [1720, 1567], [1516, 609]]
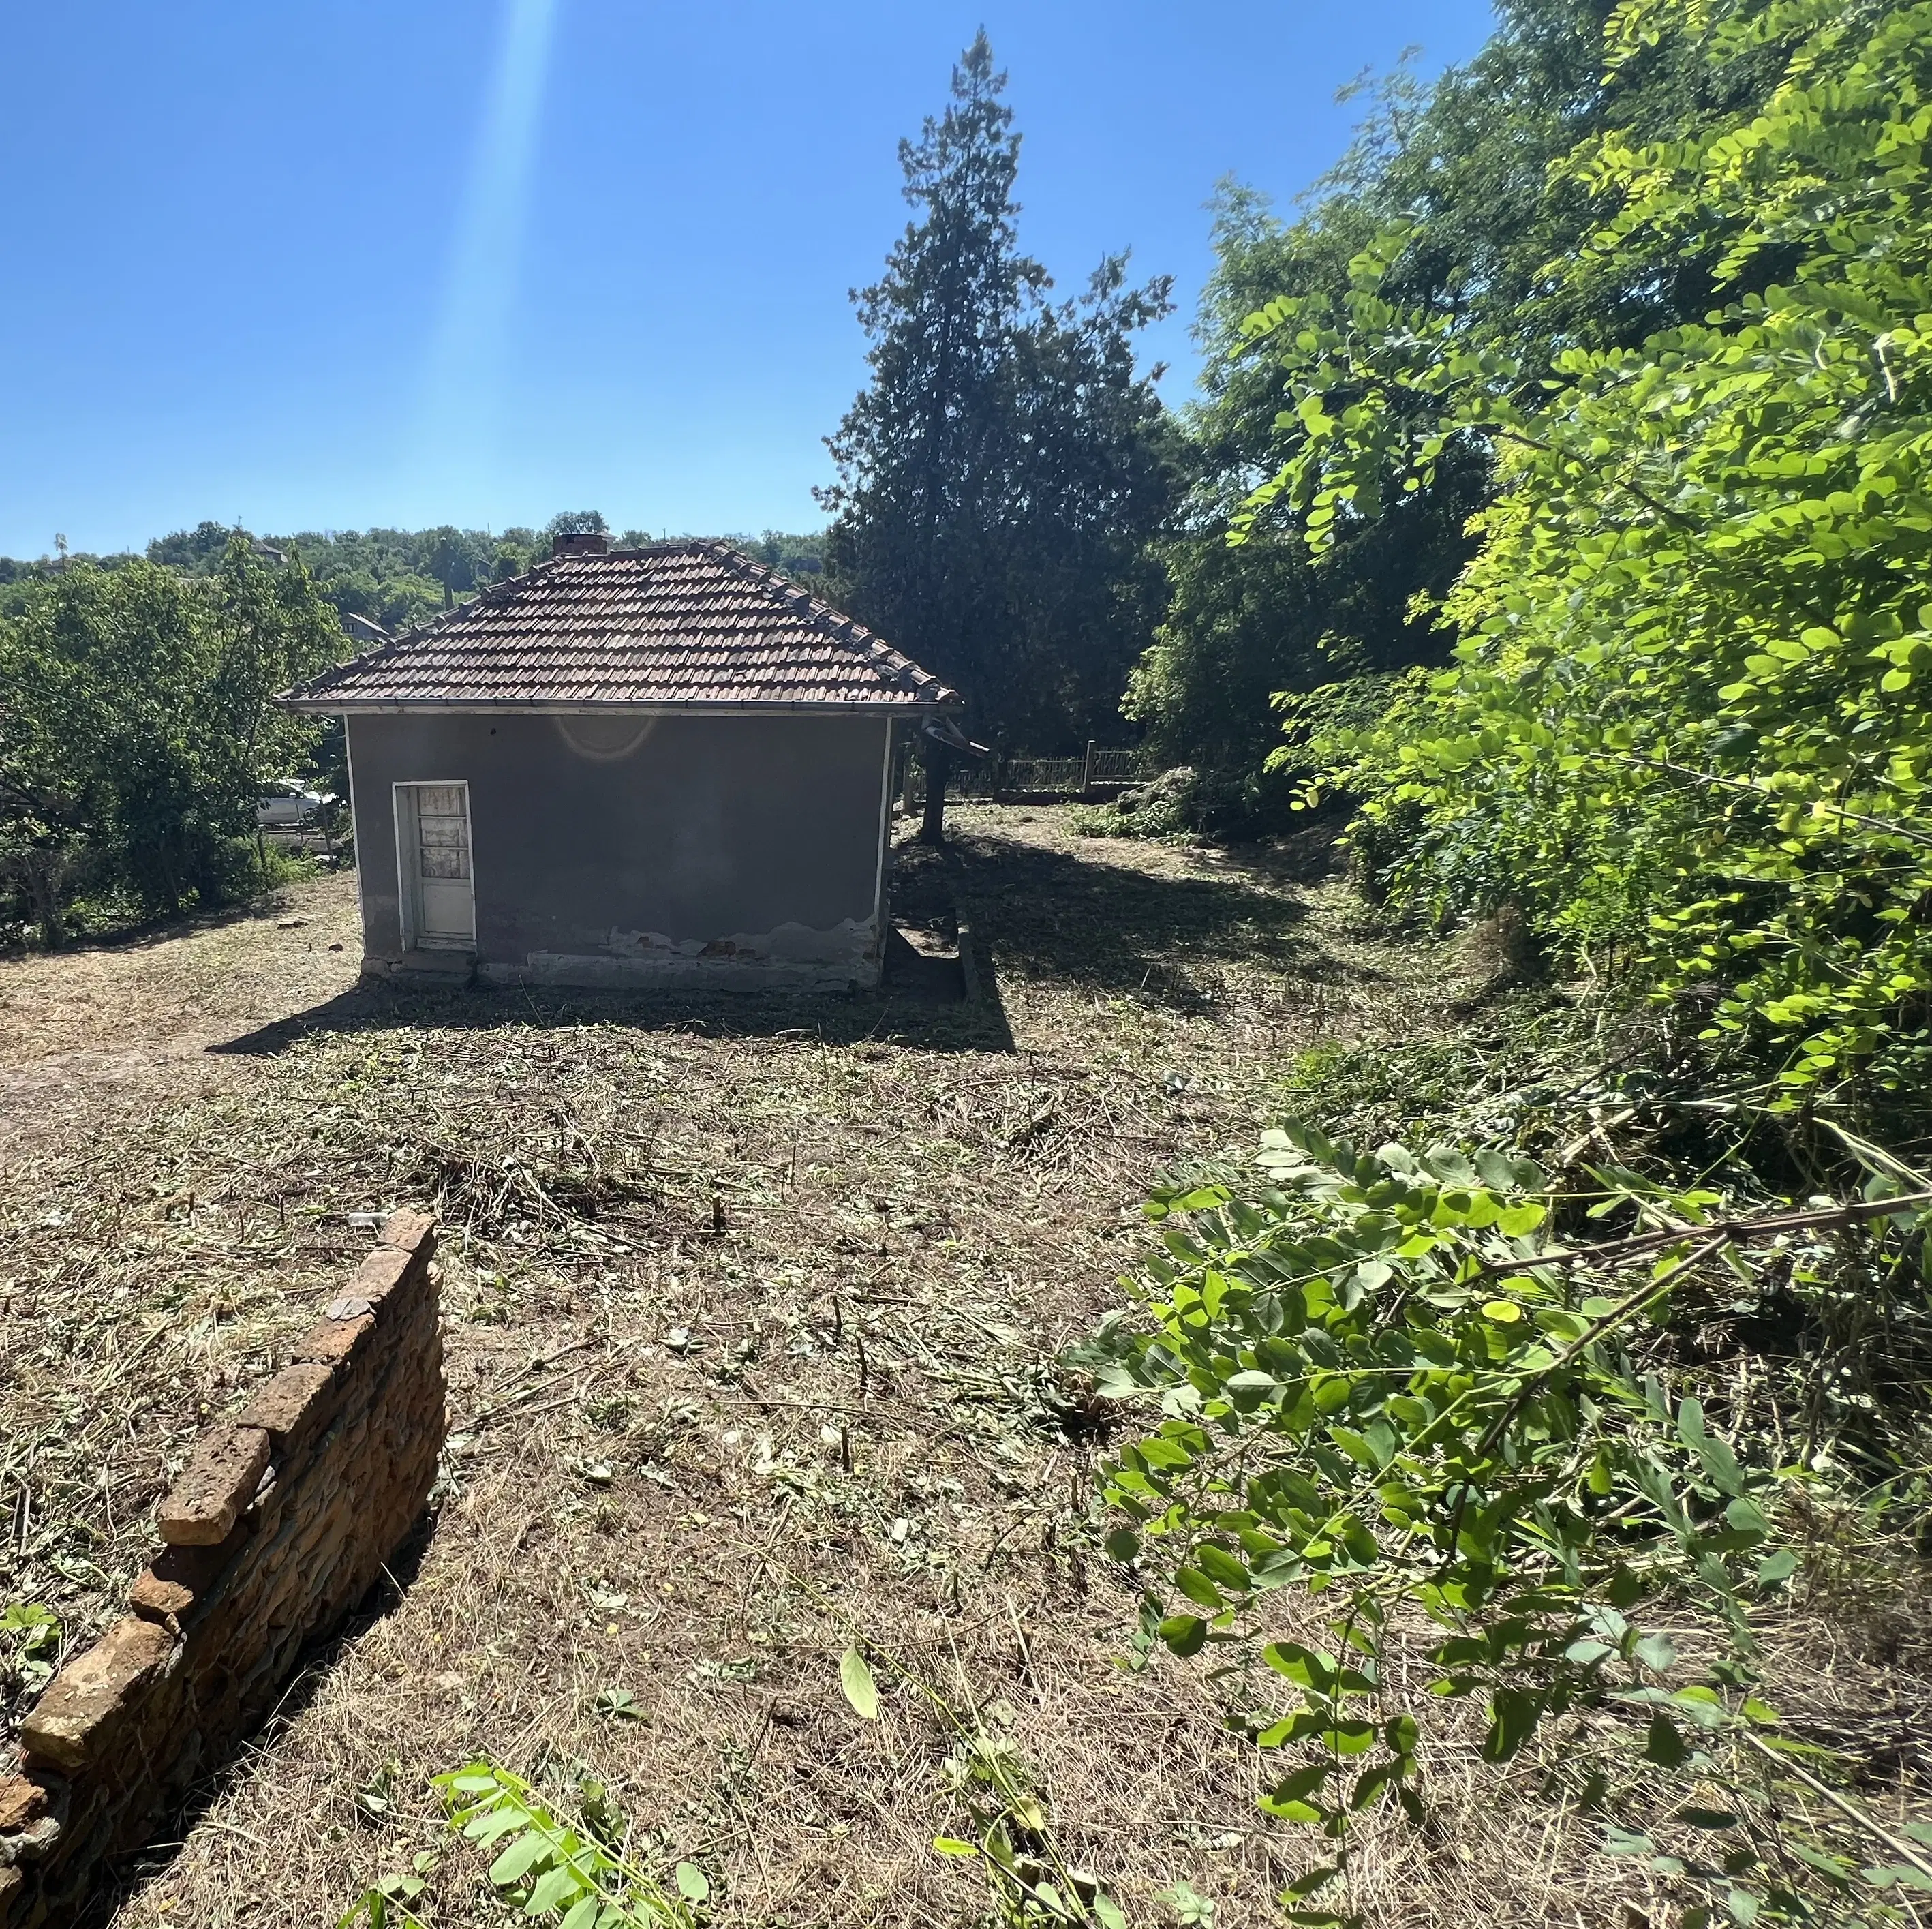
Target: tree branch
[[1722, 1232]]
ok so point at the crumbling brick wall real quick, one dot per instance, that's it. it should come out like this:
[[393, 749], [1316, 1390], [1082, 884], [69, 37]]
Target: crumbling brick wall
[[279, 1523]]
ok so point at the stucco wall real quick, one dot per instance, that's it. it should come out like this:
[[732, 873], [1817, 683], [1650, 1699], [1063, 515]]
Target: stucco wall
[[619, 850]]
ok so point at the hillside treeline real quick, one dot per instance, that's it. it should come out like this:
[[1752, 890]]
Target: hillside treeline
[[393, 577]]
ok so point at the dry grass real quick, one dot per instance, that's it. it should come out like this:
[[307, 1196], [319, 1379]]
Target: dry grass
[[752, 1313]]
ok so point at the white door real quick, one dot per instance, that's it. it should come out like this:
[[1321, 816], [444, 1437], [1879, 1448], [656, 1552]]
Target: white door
[[433, 841]]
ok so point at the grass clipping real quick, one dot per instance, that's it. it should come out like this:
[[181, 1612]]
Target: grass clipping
[[752, 1313]]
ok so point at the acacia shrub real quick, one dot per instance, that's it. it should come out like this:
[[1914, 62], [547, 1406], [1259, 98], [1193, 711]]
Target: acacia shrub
[[1685, 727]]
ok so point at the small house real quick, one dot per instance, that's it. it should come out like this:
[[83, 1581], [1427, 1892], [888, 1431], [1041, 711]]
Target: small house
[[629, 766]]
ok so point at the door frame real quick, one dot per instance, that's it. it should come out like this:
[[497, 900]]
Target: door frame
[[409, 874]]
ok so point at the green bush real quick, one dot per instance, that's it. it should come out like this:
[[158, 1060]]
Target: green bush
[[1685, 729], [1384, 1386]]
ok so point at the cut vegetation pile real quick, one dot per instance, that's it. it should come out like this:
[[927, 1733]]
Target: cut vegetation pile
[[754, 1312]]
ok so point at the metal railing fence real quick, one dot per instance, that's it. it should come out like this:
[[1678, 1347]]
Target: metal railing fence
[[1016, 777]]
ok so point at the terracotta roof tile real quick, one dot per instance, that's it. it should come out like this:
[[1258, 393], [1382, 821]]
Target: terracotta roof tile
[[678, 623]]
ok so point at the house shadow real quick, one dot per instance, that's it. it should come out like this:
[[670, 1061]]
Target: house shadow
[[905, 1013], [1036, 913]]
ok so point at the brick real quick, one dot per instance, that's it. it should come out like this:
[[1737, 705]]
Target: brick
[[351, 1429], [293, 1404], [77, 1723], [336, 1339], [22, 1802], [411, 1232], [202, 1506], [379, 1275], [181, 1577]]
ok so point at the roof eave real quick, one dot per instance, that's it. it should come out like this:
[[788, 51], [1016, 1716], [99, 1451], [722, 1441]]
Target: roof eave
[[896, 706]]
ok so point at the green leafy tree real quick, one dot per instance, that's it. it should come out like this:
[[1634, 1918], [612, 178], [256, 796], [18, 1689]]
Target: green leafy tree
[[137, 724], [999, 476], [1468, 167], [1686, 721], [577, 522]]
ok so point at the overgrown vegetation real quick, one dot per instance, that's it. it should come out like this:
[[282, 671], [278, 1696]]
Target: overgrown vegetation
[[1502, 1463], [1510, 1422], [1685, 726], [1515, 1443], [1472, 169]]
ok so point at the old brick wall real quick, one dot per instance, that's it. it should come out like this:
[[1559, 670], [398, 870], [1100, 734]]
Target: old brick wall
[[279, 1523]]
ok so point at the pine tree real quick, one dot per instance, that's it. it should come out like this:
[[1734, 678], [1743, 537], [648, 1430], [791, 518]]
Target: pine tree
[[1000, 476]]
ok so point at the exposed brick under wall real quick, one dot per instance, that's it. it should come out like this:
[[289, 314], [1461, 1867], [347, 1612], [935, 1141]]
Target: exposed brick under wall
[[279, 1524]]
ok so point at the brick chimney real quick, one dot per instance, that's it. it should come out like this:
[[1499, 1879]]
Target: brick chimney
[[582, 542]]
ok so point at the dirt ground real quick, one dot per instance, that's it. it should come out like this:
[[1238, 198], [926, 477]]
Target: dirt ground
[[752, 1312]]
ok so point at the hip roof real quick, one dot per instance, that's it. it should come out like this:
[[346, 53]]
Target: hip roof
[[693, 624]]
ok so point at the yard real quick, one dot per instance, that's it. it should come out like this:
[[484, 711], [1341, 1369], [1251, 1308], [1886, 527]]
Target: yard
[[753, 1311]]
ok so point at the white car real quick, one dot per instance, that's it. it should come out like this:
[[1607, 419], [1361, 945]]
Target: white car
[[285, 804]]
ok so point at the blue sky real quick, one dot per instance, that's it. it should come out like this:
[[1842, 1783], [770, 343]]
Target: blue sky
[[328, 263]]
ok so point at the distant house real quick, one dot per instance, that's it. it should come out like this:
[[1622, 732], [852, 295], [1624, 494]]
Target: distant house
[[360, 631], [628, 767]]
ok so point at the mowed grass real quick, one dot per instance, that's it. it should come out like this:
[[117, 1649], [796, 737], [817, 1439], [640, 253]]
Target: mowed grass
[[752, 1310]]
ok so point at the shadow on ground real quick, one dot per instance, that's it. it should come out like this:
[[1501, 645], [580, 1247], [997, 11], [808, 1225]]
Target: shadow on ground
[[913, 1019], [1039, 911], [1052, 913], [165, 927]]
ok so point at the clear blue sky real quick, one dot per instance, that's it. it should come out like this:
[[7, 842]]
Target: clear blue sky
[[328, 263]]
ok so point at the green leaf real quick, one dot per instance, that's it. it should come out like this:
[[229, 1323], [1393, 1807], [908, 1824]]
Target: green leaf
[[951, 1845], [1657, 1652], [1201, 1591], [519, 1858], [1663, 1742], [855, 1678], [1513, 1715], [1222, 1568], [553, 1888], [692, 1883], [1302, 1665], [1184, 1633], [1300, 1786]]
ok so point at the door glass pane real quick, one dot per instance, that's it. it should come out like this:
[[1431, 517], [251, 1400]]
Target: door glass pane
[[443, 831]]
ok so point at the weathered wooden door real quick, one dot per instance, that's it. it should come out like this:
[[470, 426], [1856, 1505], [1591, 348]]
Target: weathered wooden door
[[433, 844]]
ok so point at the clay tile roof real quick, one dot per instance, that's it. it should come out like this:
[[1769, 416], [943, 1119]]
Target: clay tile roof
[[678, 623]]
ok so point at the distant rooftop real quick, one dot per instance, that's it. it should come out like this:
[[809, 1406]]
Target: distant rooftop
[[693, 623]]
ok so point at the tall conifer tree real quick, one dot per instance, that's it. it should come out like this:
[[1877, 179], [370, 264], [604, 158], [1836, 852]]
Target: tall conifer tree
[[1000, 476]]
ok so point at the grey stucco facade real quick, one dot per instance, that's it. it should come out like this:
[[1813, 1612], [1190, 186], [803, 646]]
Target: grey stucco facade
[[629, 848]]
